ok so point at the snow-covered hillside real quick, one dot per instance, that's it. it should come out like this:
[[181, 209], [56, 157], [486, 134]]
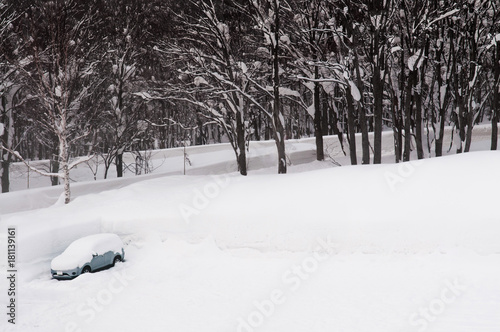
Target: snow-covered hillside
[[200, 160], [392, 247]]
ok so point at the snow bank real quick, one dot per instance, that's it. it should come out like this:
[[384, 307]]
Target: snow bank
[[436, 204], [432, 205]]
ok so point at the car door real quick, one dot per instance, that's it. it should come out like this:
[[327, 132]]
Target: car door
[[109, 257], [97, 261]]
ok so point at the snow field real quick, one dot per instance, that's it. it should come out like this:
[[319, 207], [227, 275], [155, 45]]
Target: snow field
[[201, 287], [401, 247]]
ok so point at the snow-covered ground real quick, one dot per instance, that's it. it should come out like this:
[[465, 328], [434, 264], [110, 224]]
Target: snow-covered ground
[[392, 247], [201, 160]]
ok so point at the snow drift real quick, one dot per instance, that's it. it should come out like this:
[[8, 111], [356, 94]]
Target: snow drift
[[428, 205]]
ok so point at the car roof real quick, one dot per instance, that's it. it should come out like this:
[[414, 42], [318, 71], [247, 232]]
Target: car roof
[[96, 242]]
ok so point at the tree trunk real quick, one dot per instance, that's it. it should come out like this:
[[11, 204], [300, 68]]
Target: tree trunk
[[318, 122], [494, 130], [54, 168], [474, 71], [64, 159], [470, 125], [378, 95], [199, 132], [350, 126], [419, 125], [407, 112], [267, 129], [5, 160], [256, 126], [461, 121], [326, 115], [395, 132], [119, 164], [240, 138], [496, 101], [440, 138], [365, 142], [441, 110], [7, 137], [107, 165], [395, 115], [5, 173], [329, 117], [279, 136], [278, 118]]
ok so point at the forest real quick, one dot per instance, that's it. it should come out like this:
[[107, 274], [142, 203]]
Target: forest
[[80, 79]]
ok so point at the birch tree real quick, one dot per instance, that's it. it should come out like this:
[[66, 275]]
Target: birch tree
[[8, 91], [59, 69]]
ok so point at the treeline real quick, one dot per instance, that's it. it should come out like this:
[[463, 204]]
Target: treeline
[[106, 77]]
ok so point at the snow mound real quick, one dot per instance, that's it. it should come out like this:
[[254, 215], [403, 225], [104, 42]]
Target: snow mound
[[80, 251]]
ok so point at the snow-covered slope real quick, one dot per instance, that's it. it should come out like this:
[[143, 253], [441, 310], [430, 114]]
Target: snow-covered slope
[[401, 247], [201, 160], [421, 205]]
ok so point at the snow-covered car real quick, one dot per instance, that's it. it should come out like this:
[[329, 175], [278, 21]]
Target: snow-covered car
[[88, 254]]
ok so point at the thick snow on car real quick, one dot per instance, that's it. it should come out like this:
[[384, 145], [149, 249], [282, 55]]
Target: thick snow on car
[[88, 254]]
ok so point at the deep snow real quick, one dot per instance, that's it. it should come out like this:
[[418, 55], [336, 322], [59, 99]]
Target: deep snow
[[407, 247]]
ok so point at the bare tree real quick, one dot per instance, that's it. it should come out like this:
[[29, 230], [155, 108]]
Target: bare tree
[[211, 69], [267, 16], [311, 34]]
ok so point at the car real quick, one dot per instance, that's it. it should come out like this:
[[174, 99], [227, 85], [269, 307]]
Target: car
[[88, 254]]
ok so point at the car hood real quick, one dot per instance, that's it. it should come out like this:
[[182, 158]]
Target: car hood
[[69, 262]]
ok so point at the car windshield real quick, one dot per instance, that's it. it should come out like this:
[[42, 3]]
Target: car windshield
[[78, 247], [98, 243]]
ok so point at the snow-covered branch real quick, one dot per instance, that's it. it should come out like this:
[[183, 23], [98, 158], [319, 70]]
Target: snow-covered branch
[[34, 169], [322, 80]]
